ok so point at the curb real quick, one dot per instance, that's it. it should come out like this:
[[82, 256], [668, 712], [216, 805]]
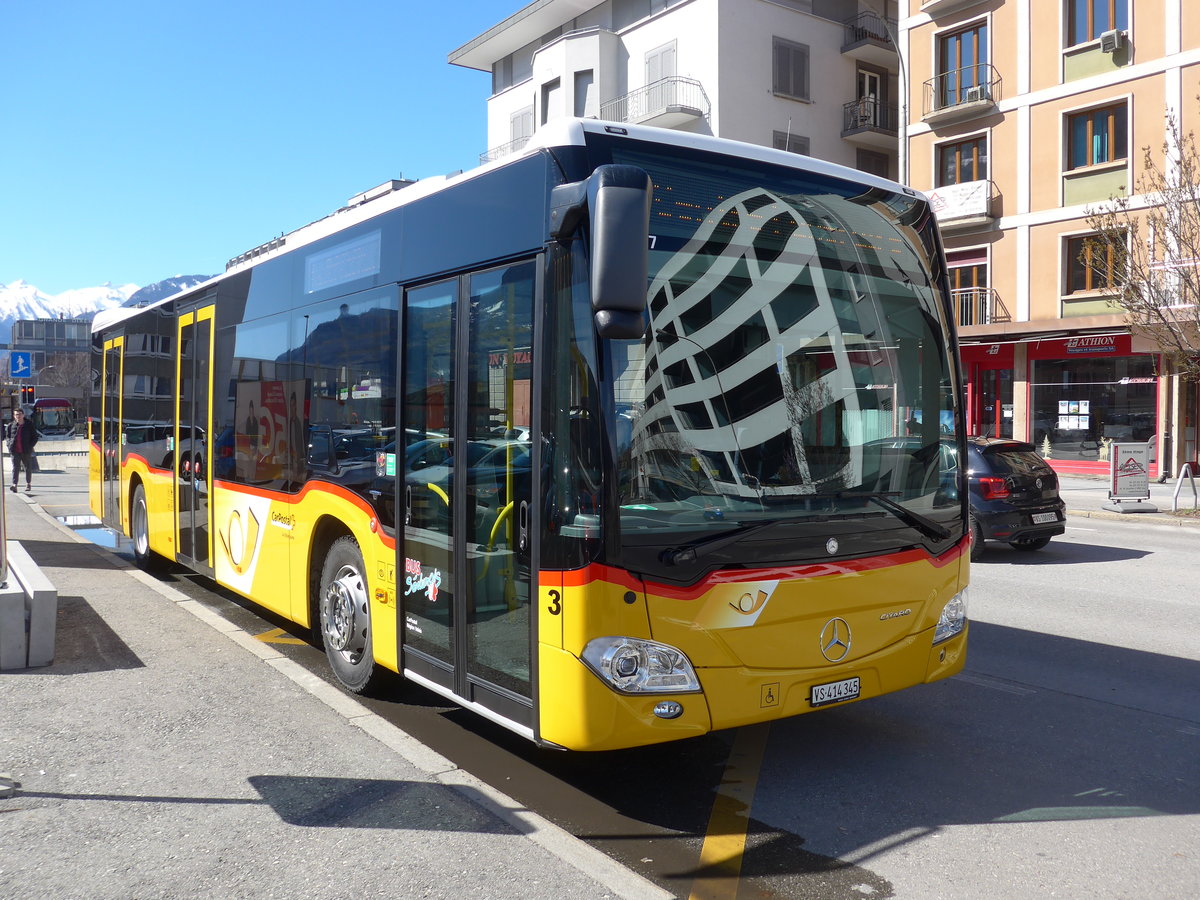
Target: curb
[[556, 841], [1147, 517]]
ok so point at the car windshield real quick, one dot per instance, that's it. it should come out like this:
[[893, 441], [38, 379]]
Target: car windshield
[[796, 363]]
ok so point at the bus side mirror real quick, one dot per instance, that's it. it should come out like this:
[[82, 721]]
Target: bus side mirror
[[616, 200]]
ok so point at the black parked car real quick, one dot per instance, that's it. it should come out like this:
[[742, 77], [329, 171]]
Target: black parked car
[[1014, 495]]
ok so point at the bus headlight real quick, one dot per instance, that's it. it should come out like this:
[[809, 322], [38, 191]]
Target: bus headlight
[[635, 666], [953, 618]]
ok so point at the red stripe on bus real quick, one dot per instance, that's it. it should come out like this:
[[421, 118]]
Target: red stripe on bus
[[598, 572]]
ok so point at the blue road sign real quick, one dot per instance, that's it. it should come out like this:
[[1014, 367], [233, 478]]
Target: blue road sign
[[20, 364]]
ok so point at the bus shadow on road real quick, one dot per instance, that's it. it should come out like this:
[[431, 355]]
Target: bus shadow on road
[[1039, 728]]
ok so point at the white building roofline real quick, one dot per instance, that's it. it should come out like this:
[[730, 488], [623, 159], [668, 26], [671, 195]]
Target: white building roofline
[[523, 27]]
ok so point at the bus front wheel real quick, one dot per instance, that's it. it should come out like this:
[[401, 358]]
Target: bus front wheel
[[345, 612]]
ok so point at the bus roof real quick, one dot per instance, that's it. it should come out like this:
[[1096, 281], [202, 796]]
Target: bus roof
[[573, 132], [559, 133]]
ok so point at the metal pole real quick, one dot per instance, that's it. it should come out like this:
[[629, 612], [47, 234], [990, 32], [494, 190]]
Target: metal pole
[[902, 149], [3, 515]]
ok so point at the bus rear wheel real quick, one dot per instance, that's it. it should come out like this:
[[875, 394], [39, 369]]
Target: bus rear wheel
[[344, 606], [139, 527]]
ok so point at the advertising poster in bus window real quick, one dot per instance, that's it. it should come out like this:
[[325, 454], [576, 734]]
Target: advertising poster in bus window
[[270, 443]]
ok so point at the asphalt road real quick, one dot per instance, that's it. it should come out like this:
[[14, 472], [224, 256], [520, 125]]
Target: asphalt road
[[1065, 760]]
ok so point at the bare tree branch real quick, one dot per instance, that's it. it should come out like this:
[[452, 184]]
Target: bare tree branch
[[1146, 250]]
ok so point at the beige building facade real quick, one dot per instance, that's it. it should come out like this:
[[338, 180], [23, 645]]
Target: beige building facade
[[1021, 117]]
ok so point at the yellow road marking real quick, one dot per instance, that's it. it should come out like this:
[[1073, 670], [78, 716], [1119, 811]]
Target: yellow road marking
[[725, 841], [278, 636]]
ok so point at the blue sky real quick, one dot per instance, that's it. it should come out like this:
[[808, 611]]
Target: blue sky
[[141, 139]]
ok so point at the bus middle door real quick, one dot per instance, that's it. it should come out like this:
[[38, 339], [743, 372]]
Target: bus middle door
[[192, 462], [465, 548]]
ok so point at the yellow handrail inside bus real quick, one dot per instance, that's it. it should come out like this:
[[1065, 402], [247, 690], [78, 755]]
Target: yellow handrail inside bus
[[504, 514]]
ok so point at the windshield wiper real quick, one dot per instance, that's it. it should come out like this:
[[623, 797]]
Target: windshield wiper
[[690, 552], [926, 526]]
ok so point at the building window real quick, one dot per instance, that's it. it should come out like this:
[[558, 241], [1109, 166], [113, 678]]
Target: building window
[[963, 71], [1088, 19], [502, 74], [1097, 136], [793, 143], [660, 63], [1081, 403], [520, 124], [551, 100], [872, 162], [962, 161], [790, 69], [1091, 264], [585, 94], [968, 271]]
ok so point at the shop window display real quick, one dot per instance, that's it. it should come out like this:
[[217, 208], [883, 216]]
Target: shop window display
[[1081, 406]]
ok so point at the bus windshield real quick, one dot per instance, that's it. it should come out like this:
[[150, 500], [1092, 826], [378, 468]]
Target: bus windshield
[[797, 363]]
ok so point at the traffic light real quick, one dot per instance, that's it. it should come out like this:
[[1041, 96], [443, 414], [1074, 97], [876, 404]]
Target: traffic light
[[27, 393]]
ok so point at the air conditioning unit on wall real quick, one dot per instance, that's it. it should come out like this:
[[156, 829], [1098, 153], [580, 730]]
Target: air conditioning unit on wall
[[976, 92], [1112, 41]]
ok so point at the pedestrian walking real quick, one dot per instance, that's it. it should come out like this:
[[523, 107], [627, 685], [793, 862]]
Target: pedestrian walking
[[21, 437]]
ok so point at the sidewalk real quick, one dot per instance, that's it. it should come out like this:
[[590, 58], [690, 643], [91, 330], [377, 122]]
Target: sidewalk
[[166, 753], [1086, 497]]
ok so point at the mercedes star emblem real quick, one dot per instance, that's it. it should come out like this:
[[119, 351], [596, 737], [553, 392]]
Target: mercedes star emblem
[[835, 640]]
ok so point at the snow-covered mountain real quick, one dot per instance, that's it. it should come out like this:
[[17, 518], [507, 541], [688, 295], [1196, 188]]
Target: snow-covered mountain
[[21, 300]]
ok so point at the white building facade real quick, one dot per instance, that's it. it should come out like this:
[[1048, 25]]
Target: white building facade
[[819, 77]]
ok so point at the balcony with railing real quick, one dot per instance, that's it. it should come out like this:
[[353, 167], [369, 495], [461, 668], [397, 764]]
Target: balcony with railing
[[962, 94], [503, 150], [978, 306], [868, 122], [867, 36], [967, 206], [667, 103]]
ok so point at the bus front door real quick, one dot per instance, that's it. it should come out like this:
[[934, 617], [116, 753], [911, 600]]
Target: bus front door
[[466, 490], [192, 461], [109, 437]]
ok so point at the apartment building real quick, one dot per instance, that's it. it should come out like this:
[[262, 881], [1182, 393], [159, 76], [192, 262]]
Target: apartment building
[[819, 77], [1023, 115]]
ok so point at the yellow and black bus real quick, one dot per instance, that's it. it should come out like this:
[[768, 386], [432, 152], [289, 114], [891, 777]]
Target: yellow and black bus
[[628, 437]]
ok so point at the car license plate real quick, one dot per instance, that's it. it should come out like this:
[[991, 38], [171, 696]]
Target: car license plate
[[835, 692], [1043, 518]]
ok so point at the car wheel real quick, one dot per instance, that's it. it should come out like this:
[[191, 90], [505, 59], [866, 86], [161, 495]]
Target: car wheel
[[345, 614], [976, 539], [1031, 544]]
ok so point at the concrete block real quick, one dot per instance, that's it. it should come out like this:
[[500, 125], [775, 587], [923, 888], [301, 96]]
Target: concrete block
[[40, 604], [14, 643]]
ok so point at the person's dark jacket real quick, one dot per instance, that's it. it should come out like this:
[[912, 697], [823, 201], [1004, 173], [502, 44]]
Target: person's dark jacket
[[29, 436]]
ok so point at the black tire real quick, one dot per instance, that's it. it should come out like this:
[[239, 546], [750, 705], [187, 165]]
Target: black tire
[[1031, 544], [139, 531], [976, 539], [344, 609]]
